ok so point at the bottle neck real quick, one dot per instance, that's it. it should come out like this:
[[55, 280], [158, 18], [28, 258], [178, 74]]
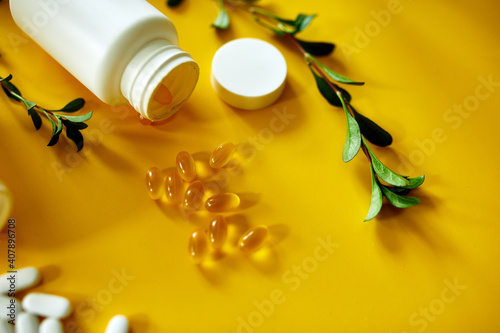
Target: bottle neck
[[159, 79]]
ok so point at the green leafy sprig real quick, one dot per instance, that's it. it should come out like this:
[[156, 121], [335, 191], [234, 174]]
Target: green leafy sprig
[[385, 182], [73, 124]]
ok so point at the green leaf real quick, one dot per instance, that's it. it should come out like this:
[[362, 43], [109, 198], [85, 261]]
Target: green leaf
[[376, 201], [28, 104], [13, 90], [52, 122], [54, 139], [335, 76], [74, 135], [327, 91], [173, 3], [415, 182], [299, 24], [302, 21], [73, 106], [78, 119], [7, 79], [398, 190], [277, 18], [353, 138], [373, 132], [399, 201], [384, 172], [58, 128], [316, 48], [35, 117], [265, 25], [222, 20]]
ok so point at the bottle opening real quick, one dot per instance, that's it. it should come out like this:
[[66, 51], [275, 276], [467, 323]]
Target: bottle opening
[[173, 91], [159, 79], [163, 95]]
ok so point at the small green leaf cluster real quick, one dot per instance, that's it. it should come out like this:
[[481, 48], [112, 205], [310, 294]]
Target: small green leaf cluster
[[222, 20], [73, 124], [395, 191], [359, 127]]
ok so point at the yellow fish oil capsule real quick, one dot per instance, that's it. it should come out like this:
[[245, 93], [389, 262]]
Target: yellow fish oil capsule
[[154, 183], [221, 155], [198, 245], [174, 187], [217, 232], [163, 95], [222, 202], [186, 166], [253, 239], [193, 197]]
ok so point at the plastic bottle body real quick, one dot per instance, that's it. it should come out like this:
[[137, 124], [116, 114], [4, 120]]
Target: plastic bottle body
[[97, 40]]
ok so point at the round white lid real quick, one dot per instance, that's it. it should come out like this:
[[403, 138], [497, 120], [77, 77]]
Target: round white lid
[[248, 73]]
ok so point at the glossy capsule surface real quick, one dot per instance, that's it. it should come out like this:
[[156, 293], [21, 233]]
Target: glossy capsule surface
[[198, 245], [221, 155], [193, 198], [163, 95], [174, 187], [222, 202], [253, 239], [154, 183], [217, 232], [185, 166]]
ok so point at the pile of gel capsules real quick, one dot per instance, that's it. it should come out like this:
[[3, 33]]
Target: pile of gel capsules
[[51, 308], [182, 188]]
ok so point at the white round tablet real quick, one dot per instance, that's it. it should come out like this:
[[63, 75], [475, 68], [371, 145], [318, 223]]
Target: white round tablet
[[248, 73]]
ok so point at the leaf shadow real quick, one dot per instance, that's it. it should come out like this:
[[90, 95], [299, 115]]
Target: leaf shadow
[[396, 227]]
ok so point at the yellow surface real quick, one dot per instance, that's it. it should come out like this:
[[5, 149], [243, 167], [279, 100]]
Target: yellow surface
[[85, 218]]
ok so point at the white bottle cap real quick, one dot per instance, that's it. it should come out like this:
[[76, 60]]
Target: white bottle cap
[[158, 64], [248, 73]]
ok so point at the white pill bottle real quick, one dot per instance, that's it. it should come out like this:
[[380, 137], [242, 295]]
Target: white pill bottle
[[122, 50]]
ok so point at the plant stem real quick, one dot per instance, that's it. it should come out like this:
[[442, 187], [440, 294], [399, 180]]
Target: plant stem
[[319, 71], [334, 88]]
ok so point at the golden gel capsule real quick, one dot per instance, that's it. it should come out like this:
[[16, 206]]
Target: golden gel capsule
[[154, 183], [217, 232], [253, 239], [174, 187], [163, 95], [221, 155], [193, 197], [222, 202], [186, 166], [198, 245]]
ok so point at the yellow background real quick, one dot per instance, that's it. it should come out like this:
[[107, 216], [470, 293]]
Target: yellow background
[[83, 218]]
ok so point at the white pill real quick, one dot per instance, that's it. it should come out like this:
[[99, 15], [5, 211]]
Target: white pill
[[9, 308], [117, 324], [5, 327], [46, 305], [22, 279], [26, 323], [51, 325]]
